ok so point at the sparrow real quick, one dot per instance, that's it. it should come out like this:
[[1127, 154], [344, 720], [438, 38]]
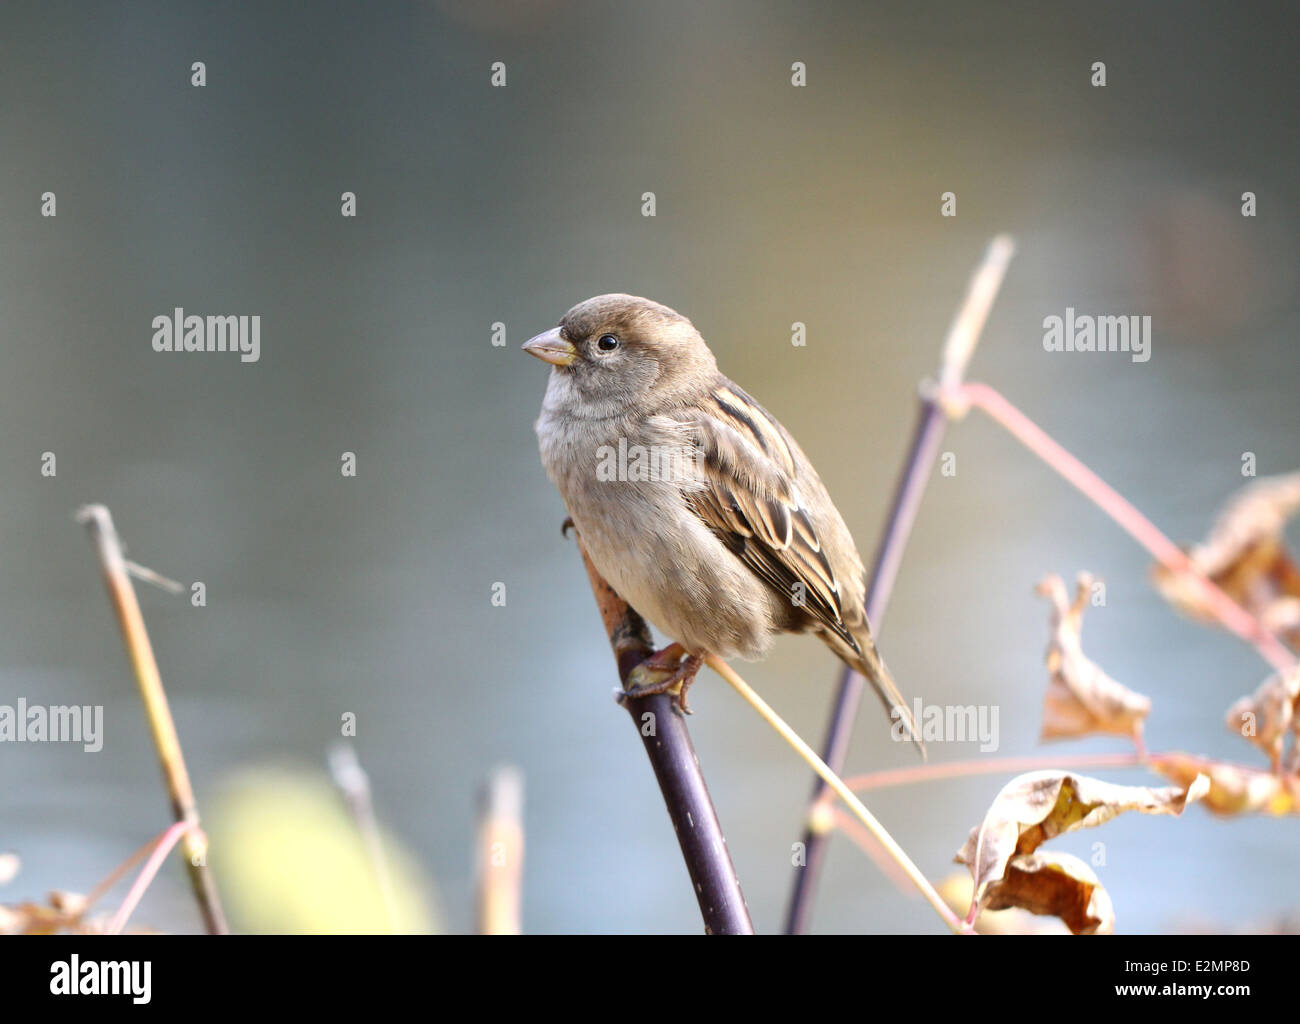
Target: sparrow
[[692, 500]]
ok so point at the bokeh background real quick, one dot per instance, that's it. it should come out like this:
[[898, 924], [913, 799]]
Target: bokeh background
[[476, 205]]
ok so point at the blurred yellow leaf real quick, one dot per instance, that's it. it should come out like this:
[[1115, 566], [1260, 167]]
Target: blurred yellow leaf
[[289, 859]]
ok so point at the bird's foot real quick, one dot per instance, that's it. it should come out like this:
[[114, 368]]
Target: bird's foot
[[674, 668]]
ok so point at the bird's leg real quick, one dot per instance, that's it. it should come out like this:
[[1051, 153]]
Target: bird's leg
[[682, 672], [687, 672]]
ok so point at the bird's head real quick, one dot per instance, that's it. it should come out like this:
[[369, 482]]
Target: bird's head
[[615, 352]]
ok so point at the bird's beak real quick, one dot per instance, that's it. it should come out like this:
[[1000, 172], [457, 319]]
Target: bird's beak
[[551, 348]]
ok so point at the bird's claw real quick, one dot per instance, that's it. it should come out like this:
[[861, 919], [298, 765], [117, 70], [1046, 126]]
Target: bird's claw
[[658, 674]]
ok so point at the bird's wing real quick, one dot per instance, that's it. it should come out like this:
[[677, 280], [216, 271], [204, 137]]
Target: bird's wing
[[750, 499]]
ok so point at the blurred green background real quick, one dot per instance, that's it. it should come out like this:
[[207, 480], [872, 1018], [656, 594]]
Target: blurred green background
[[476, 205]]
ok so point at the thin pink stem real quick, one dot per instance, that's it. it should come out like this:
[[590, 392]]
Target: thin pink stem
[[994, 766], [1138, 526], [116, 874], [1028, 763], [164, 846]]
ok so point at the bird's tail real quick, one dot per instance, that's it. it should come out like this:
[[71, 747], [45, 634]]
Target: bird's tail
[[872, 667], [868, 663]]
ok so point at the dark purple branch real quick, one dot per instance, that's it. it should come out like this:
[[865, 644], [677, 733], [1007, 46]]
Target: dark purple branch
[[932, 420], [677, 769]]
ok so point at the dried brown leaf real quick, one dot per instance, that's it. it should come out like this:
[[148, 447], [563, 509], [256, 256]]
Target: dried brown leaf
[[1234, 789], [1037, 806], [1058, 885], [1245, 555], [956, 890], [1269, 714], [32, 919], [1081, 699], [63, 911]]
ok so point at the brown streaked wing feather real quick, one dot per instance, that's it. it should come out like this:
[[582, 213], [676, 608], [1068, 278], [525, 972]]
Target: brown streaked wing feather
[[752, 504]]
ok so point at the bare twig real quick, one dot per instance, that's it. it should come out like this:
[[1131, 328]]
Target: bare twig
[[677, 769], [354, 784], [161, 848], [99, 523], [928, 435], [146, 575], [117, 874], [501, 853], [71, 911]]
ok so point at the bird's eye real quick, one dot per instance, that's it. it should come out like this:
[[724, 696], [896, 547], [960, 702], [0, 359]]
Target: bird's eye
[[607, 343]]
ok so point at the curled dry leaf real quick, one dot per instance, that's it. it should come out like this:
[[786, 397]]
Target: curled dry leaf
[[956, 890], [1234, 789], [1081, 699], [1246, 557], [1032, 809], [1058, 885], [1266, 716]]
